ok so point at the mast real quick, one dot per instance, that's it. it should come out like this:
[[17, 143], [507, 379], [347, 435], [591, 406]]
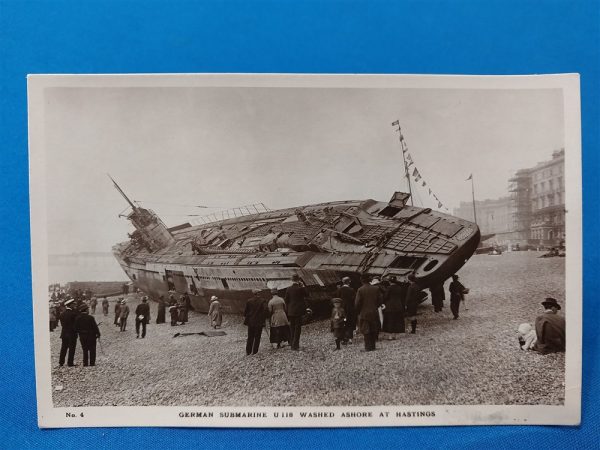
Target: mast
[[404, 149], [118, 188], [473, 194]]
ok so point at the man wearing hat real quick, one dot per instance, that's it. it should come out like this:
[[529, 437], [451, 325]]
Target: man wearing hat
[[68, 333], [550, 328], [295, 299], [123, 315], [457, 292], [348, 294], [255, 315], [142, 317], [368, 299], [88, 331]]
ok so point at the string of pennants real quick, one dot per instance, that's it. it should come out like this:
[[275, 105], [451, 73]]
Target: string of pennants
[[412, 170]]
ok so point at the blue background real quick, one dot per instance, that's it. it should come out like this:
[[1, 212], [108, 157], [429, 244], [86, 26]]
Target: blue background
[[462, 37]]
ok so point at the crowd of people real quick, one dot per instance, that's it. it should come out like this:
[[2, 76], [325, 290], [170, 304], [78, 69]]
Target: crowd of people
[[378, 309]]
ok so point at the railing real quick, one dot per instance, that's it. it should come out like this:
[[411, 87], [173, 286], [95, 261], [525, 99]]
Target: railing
[[231, 213]]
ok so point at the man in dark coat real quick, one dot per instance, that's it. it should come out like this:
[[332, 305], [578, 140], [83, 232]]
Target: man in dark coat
[[295, 299], [142, 317], [347, 294], [413, 296], [393, 314], [68, 334], [118, 310], [368, 299], [550, 329], [105, 306], [457, 292], [437, 296], [255, 315], [88, 331]]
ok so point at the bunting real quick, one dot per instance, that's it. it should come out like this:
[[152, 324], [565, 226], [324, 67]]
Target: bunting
[[416, 175]]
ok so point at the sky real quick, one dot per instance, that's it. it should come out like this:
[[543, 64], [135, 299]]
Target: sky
[[172, 147]]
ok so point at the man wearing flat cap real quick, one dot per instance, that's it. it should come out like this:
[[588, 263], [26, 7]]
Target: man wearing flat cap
[[550, 328], [68, 334]]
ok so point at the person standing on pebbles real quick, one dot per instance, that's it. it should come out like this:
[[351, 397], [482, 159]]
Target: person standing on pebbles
[[214, 312], [295, 299], [118, 311], [68, 334], [457, 292], [105, 306], [338, 322], [368, 299], [162, 307], [123, 315], [88, 331], [393, 315], [280, 326], [413, 296], [142, 317], [255, 315], [347, 294], [173, 311]]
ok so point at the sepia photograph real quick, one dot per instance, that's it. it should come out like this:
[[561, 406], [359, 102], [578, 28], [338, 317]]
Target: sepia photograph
[[306, 250]]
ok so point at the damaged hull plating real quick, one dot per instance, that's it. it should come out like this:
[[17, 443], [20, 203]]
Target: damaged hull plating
[[320, 243]]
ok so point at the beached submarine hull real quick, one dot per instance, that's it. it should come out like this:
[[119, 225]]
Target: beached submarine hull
[[321, 243]]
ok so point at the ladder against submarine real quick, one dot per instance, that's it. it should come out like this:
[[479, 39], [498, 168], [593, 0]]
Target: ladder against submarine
[[321, 243]]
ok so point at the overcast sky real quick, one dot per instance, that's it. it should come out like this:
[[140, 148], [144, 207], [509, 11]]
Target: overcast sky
[[282, 146]]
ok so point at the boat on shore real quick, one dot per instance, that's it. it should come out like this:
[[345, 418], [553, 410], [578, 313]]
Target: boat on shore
[[321, 243]]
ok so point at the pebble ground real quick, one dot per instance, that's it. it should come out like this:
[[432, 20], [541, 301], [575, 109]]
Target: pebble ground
[[473, 360]]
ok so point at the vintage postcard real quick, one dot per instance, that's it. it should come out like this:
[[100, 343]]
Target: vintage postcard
[[243, 250]]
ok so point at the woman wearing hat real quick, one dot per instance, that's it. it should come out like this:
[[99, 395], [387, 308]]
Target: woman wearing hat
[[214, 312], [280, 326]]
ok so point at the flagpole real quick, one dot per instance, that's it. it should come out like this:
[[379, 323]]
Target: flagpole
[[473, 193], [404, 161]]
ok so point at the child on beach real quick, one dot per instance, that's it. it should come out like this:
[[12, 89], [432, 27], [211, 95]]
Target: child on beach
[[338, 321], [527, 336]]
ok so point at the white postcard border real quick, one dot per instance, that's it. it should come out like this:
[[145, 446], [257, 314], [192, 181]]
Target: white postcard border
[[423, 415]]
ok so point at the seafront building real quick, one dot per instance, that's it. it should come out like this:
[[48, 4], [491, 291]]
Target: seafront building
[[532, 214]]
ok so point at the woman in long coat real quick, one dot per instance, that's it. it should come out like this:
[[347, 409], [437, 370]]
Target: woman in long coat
[[160, 317], [280, 326], [214, 312]]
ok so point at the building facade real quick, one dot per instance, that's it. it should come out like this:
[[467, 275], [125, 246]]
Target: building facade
[[548, 201], [493, 216], [534, 211]]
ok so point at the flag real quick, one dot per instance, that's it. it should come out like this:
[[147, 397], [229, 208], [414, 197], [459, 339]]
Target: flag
[[415, 172], [429, 191], [439, 204], [409, 157], [397, 122], [409, 164], [424, 184], [417, 178], [470, 177]]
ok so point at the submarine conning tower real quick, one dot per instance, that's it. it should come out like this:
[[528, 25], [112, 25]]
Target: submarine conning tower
[[150, 231]]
